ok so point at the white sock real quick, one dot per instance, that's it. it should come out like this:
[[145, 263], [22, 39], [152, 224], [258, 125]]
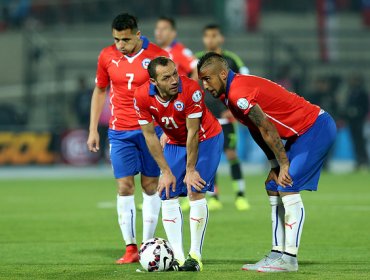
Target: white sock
[[294, 220], [127, 218], [241, 185], [278, 219], [198, 225], [151, 208], [172, 222]]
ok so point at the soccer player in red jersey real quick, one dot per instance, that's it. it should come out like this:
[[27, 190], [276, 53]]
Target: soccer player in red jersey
[[191, 156], [272, 113], [123, 67], [165, 36]]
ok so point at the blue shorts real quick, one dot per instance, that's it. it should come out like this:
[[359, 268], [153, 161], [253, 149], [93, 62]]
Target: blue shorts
[[307, 154], [209, 155], [130, 155]]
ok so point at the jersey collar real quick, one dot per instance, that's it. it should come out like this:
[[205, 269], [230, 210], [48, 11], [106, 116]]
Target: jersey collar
[[174, 42], [145, 42], [230, 78], [153, 90]]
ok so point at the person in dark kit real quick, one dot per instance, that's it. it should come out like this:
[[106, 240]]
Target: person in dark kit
[[356, 110]]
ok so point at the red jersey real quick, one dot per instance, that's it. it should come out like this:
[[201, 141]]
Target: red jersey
[[291, 114], [183, 58], [124, 74], [171, 115]]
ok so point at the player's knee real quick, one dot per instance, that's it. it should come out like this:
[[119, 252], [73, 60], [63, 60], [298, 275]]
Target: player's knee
[[149, 185], [272, 193], [125, 187], [196, 196]]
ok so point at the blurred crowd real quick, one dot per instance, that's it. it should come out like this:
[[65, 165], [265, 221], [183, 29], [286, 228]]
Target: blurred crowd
[[18, 13], [345, 98]]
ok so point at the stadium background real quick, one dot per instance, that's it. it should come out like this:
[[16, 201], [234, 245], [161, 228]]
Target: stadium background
[[48, 58]]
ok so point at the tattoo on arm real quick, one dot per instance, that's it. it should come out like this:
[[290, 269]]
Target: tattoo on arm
[[269, 133]]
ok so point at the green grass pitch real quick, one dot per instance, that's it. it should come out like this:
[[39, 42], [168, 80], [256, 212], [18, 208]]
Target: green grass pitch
[[67, 229]]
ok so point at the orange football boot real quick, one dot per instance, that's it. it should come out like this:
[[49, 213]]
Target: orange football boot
[[131, 255]]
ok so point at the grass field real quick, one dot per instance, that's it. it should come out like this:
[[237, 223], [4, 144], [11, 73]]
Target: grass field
[[67, 229]]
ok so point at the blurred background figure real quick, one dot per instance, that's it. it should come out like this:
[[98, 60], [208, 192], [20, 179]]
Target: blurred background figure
[[213, 41], [165, 36], [323, 95], [356, 109]]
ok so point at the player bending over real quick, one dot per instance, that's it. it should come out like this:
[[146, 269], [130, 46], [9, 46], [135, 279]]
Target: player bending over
[[272, 113], [123, 67], [190, 158]]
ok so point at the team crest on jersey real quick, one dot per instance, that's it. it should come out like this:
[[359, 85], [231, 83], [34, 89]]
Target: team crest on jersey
[[179, 106], [197, 96], [145, 63], [242, 103]]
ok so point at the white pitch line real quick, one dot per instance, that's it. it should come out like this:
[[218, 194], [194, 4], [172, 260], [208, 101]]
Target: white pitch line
[[106, 205]]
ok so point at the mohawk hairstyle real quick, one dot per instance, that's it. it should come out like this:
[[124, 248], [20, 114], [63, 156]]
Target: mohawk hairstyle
[[211, 58]]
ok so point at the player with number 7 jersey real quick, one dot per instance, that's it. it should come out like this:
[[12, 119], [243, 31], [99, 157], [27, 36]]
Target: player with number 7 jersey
[[123, 67]]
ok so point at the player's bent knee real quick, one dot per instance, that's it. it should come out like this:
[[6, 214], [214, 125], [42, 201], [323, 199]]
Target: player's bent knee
[[149, 185], [272, 193], [126, 186], [196, 196]]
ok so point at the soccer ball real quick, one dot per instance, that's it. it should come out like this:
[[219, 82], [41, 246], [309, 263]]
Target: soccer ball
[[156, 254]]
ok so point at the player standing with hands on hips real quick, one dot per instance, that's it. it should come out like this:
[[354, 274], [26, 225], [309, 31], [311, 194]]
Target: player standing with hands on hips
[[272, 113], [123, 67], [190, 158]]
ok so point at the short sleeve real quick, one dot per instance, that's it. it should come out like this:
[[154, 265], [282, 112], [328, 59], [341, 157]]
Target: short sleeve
[[195, 102], [102, 76], [244, 98], [141, 108]]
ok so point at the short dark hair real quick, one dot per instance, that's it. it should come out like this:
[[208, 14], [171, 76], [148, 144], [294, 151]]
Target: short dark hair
[[152, 67], [212, 26], [210, 58], [124, 21], [170, 20]]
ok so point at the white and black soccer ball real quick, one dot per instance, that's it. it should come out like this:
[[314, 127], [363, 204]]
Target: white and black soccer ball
[[156, 254]]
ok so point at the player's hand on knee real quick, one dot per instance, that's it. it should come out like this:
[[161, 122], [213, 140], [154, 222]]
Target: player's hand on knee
[[273, 175], [163, 140], [193, 179], [93, 141], [166, 181], [284, 178]]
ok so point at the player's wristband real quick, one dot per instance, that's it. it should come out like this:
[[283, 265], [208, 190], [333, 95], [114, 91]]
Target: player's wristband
[[274, 163]]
